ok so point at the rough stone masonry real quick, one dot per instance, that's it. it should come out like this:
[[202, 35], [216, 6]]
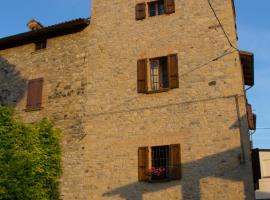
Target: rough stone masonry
[[90, 92]]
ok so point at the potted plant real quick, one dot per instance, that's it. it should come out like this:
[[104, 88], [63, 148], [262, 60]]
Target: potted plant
[[156, 173]]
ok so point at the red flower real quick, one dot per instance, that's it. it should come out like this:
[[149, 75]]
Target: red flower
[[155, 171]]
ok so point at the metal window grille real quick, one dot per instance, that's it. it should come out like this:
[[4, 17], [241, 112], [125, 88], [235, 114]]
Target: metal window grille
[[155, 74], [161, 159]]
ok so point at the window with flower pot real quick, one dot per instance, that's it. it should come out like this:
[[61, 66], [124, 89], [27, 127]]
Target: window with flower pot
[[157, 74], [159, 163]]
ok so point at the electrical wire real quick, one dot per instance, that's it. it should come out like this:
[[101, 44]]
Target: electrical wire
[[225, 53], [221, 25], [248, 88]]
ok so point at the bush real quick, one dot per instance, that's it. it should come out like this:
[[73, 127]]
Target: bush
[[29, 159]]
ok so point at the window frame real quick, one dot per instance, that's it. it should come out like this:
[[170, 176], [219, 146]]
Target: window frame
[[156, 3], [145, 163], [158, 59], [153, 159], [40, 45], [144, 74]]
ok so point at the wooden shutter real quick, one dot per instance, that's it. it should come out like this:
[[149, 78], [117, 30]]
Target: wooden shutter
[[250, 117], [34, 96], [142, 76], [143, 163], [254, 121], [140, 11], [169, 6], [247, 61], [256, 167], [175, 161], [173, 71]]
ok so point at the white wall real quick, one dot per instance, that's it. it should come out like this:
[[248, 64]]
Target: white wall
[[264, 183]]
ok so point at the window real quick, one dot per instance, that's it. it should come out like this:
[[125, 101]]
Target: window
[[159, 73], [41, 44], [163, 74], [34, 94], [160, 162], [165, 163], [156, 8]]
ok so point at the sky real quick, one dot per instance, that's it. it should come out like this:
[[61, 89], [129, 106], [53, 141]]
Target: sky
[[253, 26]]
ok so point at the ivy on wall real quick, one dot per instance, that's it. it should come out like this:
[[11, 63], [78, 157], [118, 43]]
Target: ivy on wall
[[30, 159]]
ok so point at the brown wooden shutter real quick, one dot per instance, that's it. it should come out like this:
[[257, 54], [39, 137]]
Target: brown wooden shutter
[[250, 117], [169, 6], [143, 163], [140, 11], [142, 76], [175, 161], [34, 96], [256, 167], [254, 121], [173, 71], [247, 61]]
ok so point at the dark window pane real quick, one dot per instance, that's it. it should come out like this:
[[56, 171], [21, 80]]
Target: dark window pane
[[152, 9], [164, 77], [161, 7], [41, 44], [160, 162]]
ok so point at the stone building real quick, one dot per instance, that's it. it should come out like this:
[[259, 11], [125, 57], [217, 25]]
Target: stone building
[[142, 86], [261, 173]]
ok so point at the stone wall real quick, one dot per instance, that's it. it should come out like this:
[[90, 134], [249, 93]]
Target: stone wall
[[91, 94], [63, 65]]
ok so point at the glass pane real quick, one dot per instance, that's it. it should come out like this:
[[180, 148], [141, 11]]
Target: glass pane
[[160, 162], [155, 74], [161, 7], [164, 77], [152, 9]]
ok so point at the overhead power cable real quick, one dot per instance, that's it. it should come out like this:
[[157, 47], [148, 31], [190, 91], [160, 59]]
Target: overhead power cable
[[221, 25], [263, 128]]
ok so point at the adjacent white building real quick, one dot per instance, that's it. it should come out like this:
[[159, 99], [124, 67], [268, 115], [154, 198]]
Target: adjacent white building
[[263, 173]]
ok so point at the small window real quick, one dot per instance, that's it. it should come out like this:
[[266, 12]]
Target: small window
[[156, 8], [41, 44], [160, 162], [159, 73]]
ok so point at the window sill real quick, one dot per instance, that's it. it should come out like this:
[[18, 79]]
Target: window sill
[[158, 91], [33, 109], [160, 181], [39, 51]]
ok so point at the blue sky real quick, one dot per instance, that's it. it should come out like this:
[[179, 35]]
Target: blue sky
[[253, 28]]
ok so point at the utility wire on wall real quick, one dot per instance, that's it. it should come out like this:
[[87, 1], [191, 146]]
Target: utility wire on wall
[[223, 54], [221, 25]]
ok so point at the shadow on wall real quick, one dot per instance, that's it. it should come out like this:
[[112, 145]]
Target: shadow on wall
[[12, 85], [224, 165]]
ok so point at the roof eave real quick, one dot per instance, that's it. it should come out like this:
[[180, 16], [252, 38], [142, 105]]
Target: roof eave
[[44, 33]]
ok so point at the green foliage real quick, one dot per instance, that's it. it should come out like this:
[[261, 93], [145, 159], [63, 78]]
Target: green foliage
[[29, 159]]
